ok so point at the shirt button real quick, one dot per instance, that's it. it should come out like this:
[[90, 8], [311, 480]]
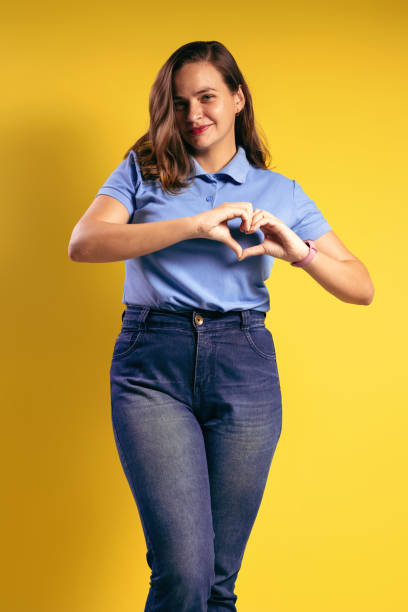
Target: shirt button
[[209, 198], [198, 319]]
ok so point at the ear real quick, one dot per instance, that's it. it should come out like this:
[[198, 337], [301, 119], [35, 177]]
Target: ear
[[239, 99]]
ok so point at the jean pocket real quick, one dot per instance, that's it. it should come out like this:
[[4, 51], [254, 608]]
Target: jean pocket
[[126, 342], [261, 341]]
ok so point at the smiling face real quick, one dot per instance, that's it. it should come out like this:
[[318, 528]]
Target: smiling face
[[201, 98]]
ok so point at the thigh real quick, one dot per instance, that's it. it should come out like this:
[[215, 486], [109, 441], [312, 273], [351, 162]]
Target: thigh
[[244, 402], [161, 448]]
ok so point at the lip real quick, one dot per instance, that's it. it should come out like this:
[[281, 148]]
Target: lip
[[201, 129]]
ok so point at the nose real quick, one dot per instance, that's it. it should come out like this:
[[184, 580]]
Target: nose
[[194, 112]]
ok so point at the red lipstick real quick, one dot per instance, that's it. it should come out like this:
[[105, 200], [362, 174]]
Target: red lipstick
[[200, 129]]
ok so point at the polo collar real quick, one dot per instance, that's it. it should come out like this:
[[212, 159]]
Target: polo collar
[[237, 168]]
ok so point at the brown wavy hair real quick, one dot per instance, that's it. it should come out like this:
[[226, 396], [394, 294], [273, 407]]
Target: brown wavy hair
[[162, 153]]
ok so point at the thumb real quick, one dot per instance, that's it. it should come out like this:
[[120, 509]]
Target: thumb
[[258, 249], [235, 246]]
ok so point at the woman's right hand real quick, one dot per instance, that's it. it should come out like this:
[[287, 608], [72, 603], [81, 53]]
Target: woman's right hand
[[212, 224]]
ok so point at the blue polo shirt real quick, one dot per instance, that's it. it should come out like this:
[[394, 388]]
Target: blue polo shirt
[[202, 273]]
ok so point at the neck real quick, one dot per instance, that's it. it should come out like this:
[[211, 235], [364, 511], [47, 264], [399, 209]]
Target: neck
[[214, 160]]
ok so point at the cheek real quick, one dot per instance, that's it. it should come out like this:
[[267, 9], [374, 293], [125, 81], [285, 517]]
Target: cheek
[[222, 113]]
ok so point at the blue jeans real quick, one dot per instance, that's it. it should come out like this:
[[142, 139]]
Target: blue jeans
[[196, 414]]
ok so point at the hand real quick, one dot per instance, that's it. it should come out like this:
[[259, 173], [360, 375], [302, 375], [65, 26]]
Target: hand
[[212, 224], [279, 240]]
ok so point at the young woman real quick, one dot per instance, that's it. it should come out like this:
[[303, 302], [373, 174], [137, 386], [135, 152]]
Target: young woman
[[196, 402]]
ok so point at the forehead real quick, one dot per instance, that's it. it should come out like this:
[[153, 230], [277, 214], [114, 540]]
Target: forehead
[[192, 78]]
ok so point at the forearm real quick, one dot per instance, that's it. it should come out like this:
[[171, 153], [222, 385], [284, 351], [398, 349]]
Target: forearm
[[99, 241], [348, 280]]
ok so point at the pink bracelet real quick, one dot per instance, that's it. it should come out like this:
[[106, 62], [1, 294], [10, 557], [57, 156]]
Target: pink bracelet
[[312, 252]]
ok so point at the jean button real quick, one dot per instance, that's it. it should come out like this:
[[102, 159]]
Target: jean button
[[198, 319]]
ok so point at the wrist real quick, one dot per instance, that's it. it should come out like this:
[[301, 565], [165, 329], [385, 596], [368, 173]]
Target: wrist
[[193, 226], [307, 257], [302, 253]]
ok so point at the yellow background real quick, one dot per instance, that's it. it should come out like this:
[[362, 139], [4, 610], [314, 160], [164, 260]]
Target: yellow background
[[329, 85]]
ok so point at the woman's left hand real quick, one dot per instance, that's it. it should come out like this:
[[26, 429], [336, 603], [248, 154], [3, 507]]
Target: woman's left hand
[[279, 240]]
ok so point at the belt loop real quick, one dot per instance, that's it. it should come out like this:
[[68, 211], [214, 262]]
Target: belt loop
[[123, 314], [244, 319], [143, 316]]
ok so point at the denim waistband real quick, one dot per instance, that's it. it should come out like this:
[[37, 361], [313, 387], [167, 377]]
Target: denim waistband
[[141, 316]]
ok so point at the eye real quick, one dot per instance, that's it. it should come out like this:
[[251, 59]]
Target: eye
[[180, 104]]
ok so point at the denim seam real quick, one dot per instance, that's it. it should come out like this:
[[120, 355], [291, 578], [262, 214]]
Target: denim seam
[[252, 343], [135, 342]]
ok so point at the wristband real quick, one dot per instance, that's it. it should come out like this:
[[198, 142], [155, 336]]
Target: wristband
[[312, 252]]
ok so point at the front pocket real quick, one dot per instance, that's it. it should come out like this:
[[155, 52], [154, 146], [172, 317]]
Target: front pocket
[[126, 342], [261, 341]]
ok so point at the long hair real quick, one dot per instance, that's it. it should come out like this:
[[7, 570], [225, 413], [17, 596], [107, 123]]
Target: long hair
[[162, 153]]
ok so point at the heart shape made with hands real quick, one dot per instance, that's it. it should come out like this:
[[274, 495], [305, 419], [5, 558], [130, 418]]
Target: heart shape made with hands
[[279, 240]]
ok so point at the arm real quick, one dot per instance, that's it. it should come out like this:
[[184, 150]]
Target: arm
[[103, 234], [336, 269]]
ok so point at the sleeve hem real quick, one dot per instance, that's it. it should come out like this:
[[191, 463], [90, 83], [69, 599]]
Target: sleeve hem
[[118, 195], [313, 233]]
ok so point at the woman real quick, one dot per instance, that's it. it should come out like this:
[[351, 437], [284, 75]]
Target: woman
[[195, 392]]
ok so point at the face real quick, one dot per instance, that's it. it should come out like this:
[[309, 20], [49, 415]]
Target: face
[[201, 98]]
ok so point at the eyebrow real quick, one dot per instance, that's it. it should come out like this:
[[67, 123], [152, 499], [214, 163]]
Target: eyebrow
[[196, 93]]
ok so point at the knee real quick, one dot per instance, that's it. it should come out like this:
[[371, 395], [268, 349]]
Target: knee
[[195, 573], [188, 580]]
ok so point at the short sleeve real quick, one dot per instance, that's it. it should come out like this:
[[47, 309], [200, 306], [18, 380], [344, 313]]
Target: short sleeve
[[309, 221], [123, 182]]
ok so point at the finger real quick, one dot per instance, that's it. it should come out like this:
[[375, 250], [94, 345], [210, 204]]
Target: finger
[[240, 209], [256, 217], [266, 221], [250, 213], [251, 251], [261, 217], [267, 216], [234, 245], [247, 216]]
